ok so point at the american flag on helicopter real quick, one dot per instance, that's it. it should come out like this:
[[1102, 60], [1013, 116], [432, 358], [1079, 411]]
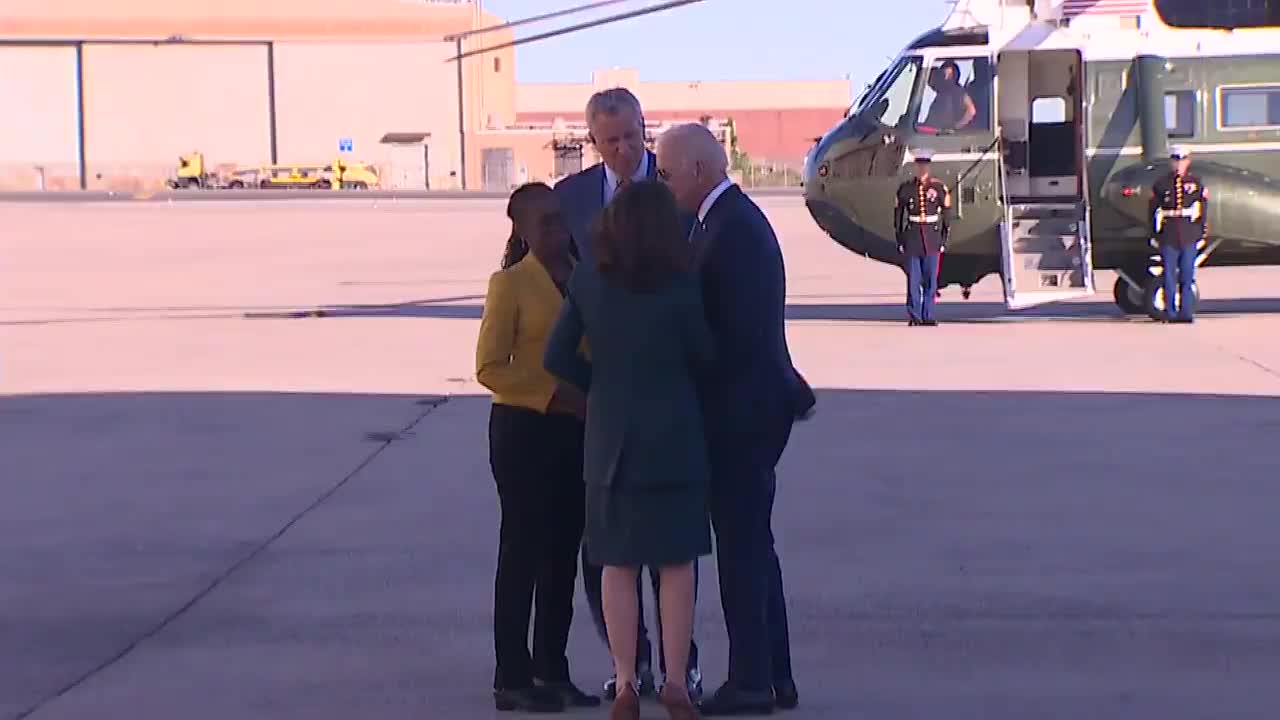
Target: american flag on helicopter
[[1076, 8]]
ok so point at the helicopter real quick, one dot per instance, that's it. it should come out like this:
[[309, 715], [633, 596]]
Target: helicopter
[[1068, 111]]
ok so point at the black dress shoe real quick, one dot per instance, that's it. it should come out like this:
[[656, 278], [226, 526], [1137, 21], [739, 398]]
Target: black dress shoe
[[912, 322], [532, 699], [571, 696], [644, 685], [930, 323], [731, 700], [786, 696]]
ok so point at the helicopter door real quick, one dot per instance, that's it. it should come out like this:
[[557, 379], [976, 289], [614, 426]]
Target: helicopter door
[[1045, 243]]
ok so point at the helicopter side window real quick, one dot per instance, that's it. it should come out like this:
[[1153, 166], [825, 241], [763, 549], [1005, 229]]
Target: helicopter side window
[[890, 106], [957, 97], [1180, 113]]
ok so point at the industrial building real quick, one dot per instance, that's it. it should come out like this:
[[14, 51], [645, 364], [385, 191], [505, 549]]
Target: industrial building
[[110, 95], [774, 122]]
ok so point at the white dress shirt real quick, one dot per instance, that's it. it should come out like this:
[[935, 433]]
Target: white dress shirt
[[711, 198], [611, 179], [707, 203]]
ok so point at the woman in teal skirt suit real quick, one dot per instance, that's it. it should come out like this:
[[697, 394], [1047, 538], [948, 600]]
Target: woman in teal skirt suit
[[646, 466]]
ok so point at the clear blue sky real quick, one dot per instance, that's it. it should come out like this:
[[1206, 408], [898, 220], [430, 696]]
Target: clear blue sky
[[724, 39]]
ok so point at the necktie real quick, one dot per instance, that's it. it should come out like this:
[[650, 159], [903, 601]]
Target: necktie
[[698, 243], [695, 231], [617, 188]]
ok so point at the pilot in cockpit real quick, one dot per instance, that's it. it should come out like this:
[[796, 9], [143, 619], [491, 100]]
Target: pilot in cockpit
[[952, 108]]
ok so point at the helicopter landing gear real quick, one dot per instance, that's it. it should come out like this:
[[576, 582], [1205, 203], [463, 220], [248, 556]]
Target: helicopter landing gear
[[966, 291], [1129, 294]]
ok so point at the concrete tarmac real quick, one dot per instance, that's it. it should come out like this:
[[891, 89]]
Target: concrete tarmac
[[243, 473]]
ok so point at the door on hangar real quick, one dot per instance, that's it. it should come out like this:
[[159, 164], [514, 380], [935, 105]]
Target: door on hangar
[[39, 135], [410, 160], [146, 105], [497, 168]]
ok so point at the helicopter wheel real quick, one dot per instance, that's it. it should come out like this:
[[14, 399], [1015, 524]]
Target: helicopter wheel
[[1154, 297], [966, 292], [1130, 299]]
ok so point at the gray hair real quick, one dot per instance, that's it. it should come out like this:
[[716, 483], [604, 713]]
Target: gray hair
[[611, 102], [696, 143]]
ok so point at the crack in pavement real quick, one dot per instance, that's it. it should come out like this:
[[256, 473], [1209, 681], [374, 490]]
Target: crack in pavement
[[1264, 368], [431, 404], [1248, 360]]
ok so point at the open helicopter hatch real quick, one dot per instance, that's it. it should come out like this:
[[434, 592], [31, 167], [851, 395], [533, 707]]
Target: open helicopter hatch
[[1045, 230]]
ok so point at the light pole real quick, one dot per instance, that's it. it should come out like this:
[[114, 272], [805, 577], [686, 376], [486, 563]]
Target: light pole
[[462, 127]]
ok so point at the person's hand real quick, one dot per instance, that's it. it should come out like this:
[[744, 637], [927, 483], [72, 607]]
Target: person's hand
[[571, 400]]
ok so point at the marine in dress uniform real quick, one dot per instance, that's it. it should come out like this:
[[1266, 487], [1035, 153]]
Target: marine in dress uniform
[[1178, 212], [921, 219]]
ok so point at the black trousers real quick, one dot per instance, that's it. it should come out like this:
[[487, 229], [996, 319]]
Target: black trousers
[[751, 588], [537, 464]]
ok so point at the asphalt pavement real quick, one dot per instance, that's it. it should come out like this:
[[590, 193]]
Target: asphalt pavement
[[243, 473]]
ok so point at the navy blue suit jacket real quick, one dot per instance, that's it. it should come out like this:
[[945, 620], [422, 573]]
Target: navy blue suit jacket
[[754, 394], [581, 200]]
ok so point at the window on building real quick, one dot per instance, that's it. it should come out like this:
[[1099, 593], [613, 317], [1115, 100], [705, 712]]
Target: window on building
[[1250, 107], [1180, 113]]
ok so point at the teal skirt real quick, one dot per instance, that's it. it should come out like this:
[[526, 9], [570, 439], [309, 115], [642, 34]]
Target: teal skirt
[[630, 527]]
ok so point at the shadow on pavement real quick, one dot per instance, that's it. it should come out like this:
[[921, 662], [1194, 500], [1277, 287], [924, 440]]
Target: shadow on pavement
[[957, 554], [958, 311], [465, 307]]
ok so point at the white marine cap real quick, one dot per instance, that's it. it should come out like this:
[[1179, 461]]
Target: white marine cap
[[922, 154], [1179, 152]]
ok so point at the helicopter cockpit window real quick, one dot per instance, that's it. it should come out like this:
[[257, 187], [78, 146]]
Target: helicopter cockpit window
[[957, 97], [890, 103]]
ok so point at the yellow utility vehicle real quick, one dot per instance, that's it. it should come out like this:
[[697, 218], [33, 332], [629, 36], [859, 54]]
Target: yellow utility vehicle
[[194, 173], [191, 173], [295, 177], [353, 176]]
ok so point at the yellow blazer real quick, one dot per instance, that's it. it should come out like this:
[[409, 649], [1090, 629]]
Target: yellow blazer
[[520, 309]]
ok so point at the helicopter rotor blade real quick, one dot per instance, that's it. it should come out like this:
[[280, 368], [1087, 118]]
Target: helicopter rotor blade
[[669, 5], [537, 18]]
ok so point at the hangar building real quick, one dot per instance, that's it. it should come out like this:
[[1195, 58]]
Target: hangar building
[[109, 95]]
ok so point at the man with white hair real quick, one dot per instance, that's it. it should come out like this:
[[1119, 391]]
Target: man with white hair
[[615, 125], [749, 404]]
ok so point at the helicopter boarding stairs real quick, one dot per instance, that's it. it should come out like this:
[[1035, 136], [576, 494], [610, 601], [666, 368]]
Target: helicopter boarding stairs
[[1044, 235], [1045, 253]]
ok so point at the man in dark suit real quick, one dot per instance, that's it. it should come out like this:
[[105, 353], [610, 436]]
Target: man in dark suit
[[615, 123], [750, 400], [615, 127]]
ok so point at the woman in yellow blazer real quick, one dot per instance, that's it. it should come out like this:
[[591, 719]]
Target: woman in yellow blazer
[[536, 453]]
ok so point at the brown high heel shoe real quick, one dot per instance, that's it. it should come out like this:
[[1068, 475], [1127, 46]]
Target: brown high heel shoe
[[626, 705], [679, 705]]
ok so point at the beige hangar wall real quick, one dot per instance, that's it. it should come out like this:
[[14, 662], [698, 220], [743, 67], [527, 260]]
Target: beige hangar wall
[[326, 92], [38, 128], [147, 104]]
